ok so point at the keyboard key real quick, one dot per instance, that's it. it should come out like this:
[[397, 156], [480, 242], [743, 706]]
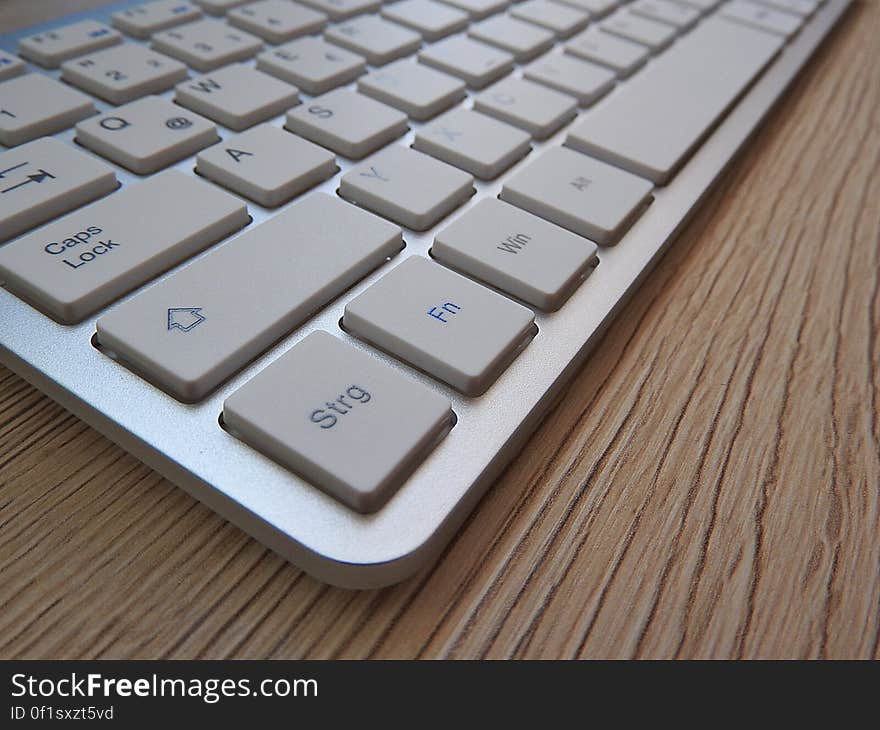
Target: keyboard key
[[762, 17], [146, 135], [42, 179], [77, 264], [483, 146], [441, 322], [665, 11], [523, 40], [313, 65], [375, 39], [623, 56], [652, 123], [417, 90], [804, 8], [432, 19], [591, 198], [207, 44], [478, 8], [35, 105], [266, 164], [516, 252], [123, 73], [581, 79], [277, 21], [142, 21], [237, 96], [324, 398], [52, 47], [595, 8], [407, 187], [652, 34], [10, 65], [343, 9], [219, 7], [476, 63], [193, 330], [562, 20], [351, 124], [536, 109]]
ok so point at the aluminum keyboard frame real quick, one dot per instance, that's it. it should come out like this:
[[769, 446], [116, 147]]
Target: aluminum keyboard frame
[[186, 443]]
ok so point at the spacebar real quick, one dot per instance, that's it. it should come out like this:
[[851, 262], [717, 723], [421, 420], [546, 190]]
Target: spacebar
[[651, 123]]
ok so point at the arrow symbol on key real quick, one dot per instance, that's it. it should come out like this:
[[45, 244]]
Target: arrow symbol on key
[[185, 318], [37, 177]]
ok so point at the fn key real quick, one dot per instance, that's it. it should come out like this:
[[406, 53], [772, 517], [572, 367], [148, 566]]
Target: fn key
[[340, 418]]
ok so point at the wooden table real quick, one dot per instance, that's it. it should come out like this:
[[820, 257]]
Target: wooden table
[[709, 486]]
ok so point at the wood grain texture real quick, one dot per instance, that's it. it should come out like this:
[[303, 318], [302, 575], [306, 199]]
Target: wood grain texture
[[708, 487]]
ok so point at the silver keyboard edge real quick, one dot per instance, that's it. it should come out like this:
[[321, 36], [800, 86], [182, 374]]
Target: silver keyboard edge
[[290, 516]]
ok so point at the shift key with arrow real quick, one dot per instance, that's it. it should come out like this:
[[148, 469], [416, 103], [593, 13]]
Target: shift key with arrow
[[249, 293], [42, 179]]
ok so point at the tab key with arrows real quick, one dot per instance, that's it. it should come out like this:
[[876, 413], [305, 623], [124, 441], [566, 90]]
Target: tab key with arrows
[[45, 178]]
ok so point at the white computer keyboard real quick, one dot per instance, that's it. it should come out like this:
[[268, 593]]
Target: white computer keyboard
[[326, 264]]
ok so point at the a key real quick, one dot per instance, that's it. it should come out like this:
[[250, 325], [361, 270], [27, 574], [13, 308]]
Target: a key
[[441, 322], [432, 19], [123, 73], [762, 17], [277, 21], [351, 124], [207, 44], [339, 417], [523, 40], [219, 7], [375, 39], [804, 8], [476, 63], [514, 251], [143, 20], [343, 9], [653, 122], [146, 135], [623, 56], [586, 196], [407, 187], [666, 11], [479, 144], [51, 47], [10, 65], [77, 264], [595, 8], [630, 26], [237, 96], [581, 79], [42, 179], [415, 89], [561, 20], [266, 164], [478, 8], [192, 330], [312, 64], [535, 108], [35, 105]]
